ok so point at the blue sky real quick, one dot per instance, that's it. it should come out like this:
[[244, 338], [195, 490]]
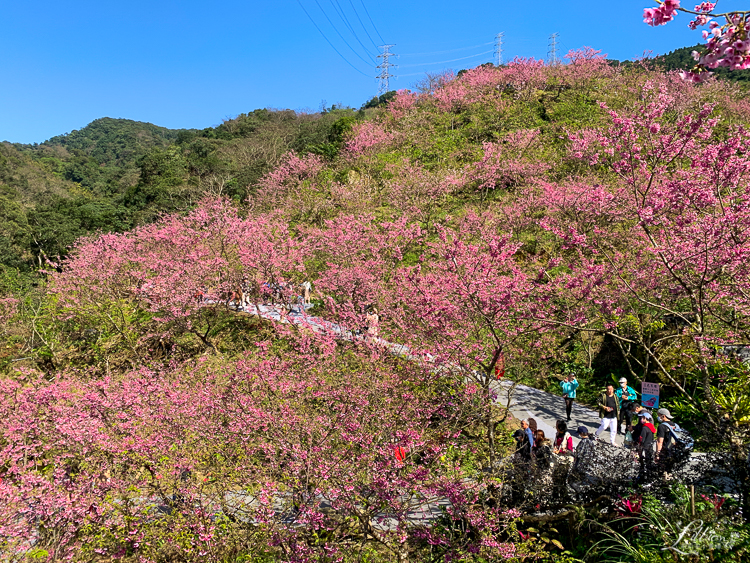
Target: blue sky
[[193, 64]]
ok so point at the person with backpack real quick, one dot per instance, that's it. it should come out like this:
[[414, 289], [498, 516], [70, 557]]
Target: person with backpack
[[627, 396], [673, 443], [569, 386]]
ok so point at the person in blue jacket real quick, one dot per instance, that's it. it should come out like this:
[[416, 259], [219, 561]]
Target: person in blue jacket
[[569, 386], [627, 397]]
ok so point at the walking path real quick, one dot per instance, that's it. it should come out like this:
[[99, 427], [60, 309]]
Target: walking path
[[525, 402]]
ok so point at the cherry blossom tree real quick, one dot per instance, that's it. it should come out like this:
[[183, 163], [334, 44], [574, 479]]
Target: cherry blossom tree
[[658, 259], [292, 457], [727, 44]]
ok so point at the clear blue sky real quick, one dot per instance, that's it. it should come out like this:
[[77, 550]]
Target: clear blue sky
[[193, 64]]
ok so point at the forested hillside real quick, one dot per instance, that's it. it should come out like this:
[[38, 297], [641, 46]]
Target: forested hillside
[[522, 222]]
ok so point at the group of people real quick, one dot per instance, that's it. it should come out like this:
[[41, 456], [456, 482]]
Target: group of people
[[656, 448]]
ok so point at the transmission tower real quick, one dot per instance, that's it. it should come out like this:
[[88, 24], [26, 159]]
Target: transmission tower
[[552, 50], [384, 75], [499, 48]]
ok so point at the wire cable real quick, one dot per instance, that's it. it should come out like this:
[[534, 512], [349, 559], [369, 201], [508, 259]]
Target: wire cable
[[450, 61], [342, 15], [370, 18], [363, 25], [339, 34], [331, 44], [449, 51]]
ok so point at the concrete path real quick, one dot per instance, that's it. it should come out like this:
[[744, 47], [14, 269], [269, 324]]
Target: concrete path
[[547, 409], [525, 402]]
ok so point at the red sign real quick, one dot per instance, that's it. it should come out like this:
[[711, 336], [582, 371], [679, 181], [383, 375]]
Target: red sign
[[400, 454]]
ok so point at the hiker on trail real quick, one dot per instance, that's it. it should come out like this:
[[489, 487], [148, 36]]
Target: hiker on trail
[[523, 447], [306, 286], [569, 386], [529, 432], [673, 444], [585, 454], [563, 444], [643, 442], [372, 323], [627, 396], [244, 294], [542, 450], [609, 412]]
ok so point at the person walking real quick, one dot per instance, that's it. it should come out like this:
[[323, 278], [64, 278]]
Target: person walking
[[626, 396], [609, 412], [673, 444], [569, 386], [306, 286], [372, 323], [643, 438]]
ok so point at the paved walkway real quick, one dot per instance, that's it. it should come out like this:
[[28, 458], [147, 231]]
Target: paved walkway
[[525, 402]]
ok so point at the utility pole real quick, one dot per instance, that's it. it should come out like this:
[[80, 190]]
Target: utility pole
[[384, 75], [499, 48], [552, 50]]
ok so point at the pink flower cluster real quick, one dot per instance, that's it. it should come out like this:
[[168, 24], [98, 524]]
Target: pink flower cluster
[[727, 45], [662, 14], [369, 134]]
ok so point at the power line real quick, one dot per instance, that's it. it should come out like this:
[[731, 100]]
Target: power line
[[342, 15], [370, 18], [448, 51], [449, 61], [363, 25], [339, 34], [326, 38]]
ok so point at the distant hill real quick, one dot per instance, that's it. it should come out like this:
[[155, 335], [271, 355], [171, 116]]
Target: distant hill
[[115, 141], [682, 59]]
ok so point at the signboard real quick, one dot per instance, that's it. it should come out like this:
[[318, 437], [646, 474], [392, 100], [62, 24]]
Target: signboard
[[650, 392]]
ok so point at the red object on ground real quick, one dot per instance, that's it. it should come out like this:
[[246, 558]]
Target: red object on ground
[[400, 453]]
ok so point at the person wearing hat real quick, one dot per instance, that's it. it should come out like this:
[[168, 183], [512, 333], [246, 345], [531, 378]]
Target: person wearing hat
[[643, 442], [627, 396], [582, 473], [663, 434]]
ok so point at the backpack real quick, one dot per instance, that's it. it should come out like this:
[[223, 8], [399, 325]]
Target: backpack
[[680, 437]]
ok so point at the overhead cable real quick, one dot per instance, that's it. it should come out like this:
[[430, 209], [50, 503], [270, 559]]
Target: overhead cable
[[339, 34], [449, 61], [329, 42], [339, 10], [449, 51], [373, 23], [363, 25]]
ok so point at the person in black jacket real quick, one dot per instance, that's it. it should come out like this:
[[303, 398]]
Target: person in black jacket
[[643, 442], [523, 446]]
